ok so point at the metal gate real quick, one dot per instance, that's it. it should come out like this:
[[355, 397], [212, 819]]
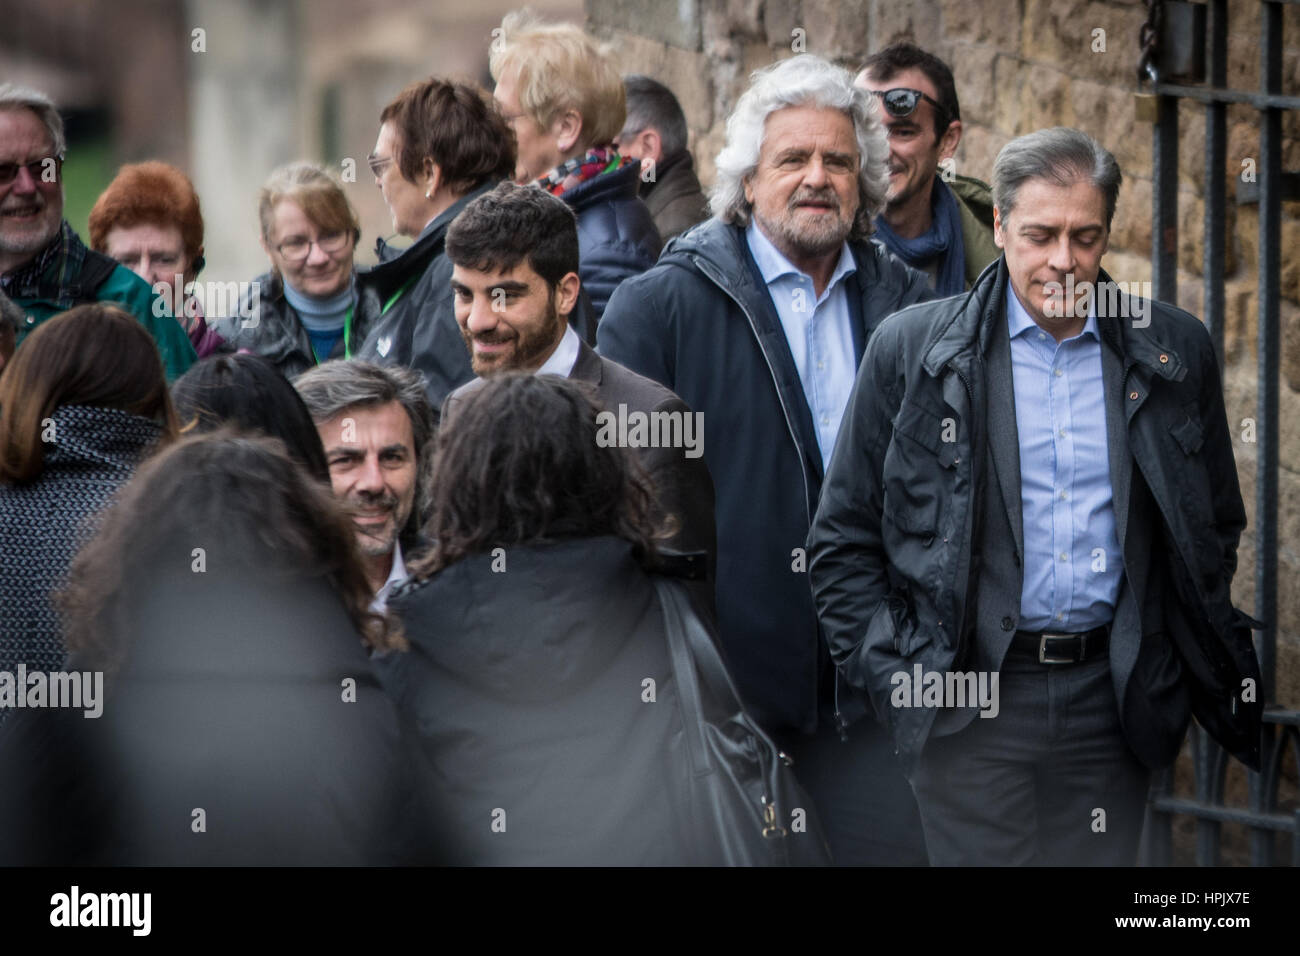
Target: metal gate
[[1184, 56]]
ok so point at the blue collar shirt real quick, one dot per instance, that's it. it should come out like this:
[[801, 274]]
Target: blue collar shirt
[[818, 330], [1073, 565]]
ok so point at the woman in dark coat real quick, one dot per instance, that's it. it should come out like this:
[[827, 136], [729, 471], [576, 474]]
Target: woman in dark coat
[[440, 145], [241, 723], [81, 403], [538, 690]]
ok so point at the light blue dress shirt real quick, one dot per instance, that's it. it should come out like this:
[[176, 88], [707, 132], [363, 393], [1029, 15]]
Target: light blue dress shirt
[[818, 330], [1073, 565]]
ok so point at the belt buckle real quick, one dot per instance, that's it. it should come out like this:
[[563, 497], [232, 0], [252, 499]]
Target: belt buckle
[[1043, 657]]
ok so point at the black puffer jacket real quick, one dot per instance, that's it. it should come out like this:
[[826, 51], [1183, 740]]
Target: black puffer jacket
[[525, 694], [617, 236], [273, 330]]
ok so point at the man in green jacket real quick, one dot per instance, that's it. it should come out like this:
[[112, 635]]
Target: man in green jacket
[[44, 267], [934, 220]]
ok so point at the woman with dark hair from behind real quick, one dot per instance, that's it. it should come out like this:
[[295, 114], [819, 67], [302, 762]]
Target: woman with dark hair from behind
[[523, 691], [81, 404], [224, 601], [246, 392]]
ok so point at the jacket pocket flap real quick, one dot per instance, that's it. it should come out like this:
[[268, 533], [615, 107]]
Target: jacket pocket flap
[[926, 428], [1189, 435]]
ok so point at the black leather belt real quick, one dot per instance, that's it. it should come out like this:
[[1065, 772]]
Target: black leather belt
[[1050, 647]]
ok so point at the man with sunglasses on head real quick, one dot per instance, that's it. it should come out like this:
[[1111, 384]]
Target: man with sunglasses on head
[[45, 268], [933, 220]]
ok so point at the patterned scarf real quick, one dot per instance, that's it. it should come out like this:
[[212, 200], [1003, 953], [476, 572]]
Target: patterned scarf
[[580, 169]]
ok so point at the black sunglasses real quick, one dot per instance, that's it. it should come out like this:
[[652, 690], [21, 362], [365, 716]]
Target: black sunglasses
[[902, 102], [36, 169]]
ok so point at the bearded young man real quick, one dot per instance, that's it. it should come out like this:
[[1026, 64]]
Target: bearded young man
[[758, 319], [515, 268]]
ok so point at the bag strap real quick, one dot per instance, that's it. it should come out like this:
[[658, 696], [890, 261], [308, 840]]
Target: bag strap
[[688, 685], [698, 643], [696, 661]]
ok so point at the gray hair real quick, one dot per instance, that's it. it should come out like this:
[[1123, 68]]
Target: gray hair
[[802, 80], [331, 388], [650, 104], [1060, 155], [15, 97]]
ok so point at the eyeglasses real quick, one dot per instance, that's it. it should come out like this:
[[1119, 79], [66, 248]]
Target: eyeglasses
[[902, 102], [36, 168], [378, 164], [298, 248]]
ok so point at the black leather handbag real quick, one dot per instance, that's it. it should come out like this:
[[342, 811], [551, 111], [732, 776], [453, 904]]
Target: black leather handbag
[[747, 807]]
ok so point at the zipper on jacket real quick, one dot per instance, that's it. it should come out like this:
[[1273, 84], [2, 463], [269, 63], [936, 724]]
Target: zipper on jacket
[[803, 471], [959, 626]]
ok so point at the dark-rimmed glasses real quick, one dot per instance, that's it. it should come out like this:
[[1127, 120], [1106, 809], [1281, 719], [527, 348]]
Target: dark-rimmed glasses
[[9, 171], [298, 248]]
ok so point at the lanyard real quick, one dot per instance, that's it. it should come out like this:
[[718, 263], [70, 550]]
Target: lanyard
[[397, 295]]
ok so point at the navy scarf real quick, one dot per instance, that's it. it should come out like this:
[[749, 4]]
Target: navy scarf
[[942, 239]]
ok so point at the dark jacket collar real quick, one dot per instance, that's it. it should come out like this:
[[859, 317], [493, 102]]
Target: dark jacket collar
[[1123, 320], [621, 183], [680, 169], [101, 436], [429, 242], [588, 367]]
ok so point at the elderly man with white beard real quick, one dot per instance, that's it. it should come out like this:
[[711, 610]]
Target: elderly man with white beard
[[45, 268], [758, 319]]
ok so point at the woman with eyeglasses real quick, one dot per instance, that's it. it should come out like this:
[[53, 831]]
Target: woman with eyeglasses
[[440, 145], [304, 311]]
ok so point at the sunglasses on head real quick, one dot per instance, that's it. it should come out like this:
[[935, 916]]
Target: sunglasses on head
[[902, 102]]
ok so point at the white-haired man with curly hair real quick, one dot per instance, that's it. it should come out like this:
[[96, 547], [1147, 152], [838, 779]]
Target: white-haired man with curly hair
[[758, 318]]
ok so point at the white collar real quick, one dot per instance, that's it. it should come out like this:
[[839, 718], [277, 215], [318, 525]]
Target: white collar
[[565, 355], [396, 575]]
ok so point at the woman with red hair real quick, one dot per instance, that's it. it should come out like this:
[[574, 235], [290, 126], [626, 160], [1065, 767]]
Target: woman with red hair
[[148, 219]]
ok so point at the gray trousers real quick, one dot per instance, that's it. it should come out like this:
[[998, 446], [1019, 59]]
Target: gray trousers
[[1049, 781]]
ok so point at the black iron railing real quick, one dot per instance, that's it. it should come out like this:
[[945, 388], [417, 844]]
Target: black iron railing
[[1172, 42]]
